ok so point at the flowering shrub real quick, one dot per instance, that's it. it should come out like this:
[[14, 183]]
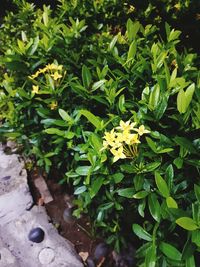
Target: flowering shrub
[[74, 84], [123, 144]]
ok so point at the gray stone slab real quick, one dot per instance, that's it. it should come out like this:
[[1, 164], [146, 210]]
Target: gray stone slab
[[16, 222], [53, 251], [7, 259]]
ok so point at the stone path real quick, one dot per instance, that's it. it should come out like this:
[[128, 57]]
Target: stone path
[[18, 217]]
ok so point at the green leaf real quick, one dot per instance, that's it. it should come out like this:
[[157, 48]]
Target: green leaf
[[141, 233], [185, 143], [178, 162], [190, 262], [96, 142], [95, 187], [170, 251], [118, 177], [132, 29], [150, 258], [126, 192], [91, 118], [161, 107], [83, 170], [86, 76], [132, 51], [196, 237], [151, 144], [154, 97], [80, 190], [98, 84], [162, 185], [197, 192], [141, 194], [184, 98], [64, 115], [112, 43], [187, 223], [154, 207], [181, 101], [169, 176], [54, 131], [151, 166], [189, 94], [171, 203]]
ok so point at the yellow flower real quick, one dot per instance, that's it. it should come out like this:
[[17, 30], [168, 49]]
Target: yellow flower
[[53, 105], [141, 130], [35, 89], [134, 139], [110, 137], [56, 76], [118, 153], [126, 126], [105, 145]]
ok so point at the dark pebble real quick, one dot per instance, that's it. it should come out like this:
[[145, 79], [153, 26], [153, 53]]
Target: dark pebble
[[101, 250], [36, 235], [90, 262]]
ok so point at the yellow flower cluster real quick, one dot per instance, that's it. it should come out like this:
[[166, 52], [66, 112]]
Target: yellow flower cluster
[[51, 69], [122, 141]]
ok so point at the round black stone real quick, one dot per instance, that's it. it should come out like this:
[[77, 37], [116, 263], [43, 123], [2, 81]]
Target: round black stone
[[36, 235]]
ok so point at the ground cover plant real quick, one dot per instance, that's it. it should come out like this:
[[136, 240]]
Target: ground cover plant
[[116, 110]]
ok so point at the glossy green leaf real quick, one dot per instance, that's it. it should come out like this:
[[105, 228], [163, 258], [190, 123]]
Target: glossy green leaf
[[98, 84], [126, 192], [187, 223], [141, 194], [154, 207], [151, 144], [80, 190], [86, 76], [95, 187], [162, 185], [83, 170], [170, 251], [141, 233]]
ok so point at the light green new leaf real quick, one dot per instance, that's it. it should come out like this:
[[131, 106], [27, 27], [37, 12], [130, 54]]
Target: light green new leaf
[[187, 223], [181, 101], [184, 98], [64, 115], [171, 203], [162, 185], [91, 118], [132, 29], [132, 51]]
